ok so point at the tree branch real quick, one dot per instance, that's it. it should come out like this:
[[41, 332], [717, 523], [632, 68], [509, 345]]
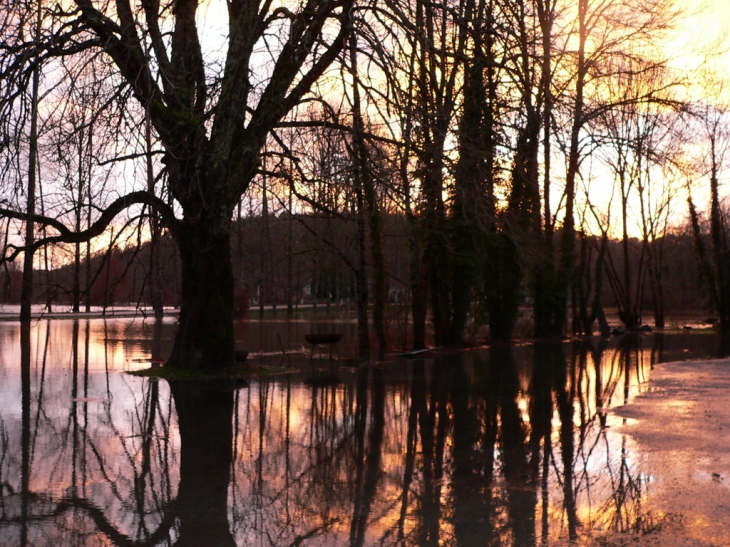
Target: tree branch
[[67, 236], [337, 126]]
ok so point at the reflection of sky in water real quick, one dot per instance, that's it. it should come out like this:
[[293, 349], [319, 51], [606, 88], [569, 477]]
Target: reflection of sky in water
[[438, 452]]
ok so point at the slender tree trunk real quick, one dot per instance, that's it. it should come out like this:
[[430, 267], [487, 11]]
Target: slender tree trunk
[[289, 267], [108, 290], [46, 260], [417, 284], [361, 276], [544, 279], [88, 243], [78, 210], [363, 173], [26, 294], [546, 16], [627, 310], [155, 276], [87, 296], [265, 272], [556, 314]]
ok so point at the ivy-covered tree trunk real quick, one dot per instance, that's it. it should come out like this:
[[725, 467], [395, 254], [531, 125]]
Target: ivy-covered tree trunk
[[522, 233], [715, 263], [418, 288], [367, 198], [503, 276], [472, 179]]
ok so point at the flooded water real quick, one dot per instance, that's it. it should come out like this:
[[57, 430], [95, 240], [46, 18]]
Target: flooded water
[[503, 446]]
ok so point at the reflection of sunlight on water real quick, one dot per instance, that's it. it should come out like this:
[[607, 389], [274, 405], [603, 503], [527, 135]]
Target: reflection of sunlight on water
[[466, 449]]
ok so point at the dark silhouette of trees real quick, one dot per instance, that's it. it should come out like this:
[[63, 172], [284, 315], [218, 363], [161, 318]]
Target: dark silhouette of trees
[[715, 261], [476, 121]]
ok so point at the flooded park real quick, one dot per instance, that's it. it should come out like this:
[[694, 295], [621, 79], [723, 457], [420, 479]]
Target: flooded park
[[468, 190], [530, 444]]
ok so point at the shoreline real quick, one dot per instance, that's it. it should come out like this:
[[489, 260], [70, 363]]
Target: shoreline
[[121, 314]]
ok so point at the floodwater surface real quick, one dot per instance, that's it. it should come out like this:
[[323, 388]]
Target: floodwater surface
[[509, 446]]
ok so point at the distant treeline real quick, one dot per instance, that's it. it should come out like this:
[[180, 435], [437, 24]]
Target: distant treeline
[[290, 260]]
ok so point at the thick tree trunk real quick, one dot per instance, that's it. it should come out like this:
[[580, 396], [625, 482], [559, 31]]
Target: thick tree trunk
[[204, 339]]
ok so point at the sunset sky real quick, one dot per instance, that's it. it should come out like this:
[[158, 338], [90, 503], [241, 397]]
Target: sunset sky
[[704, 31]]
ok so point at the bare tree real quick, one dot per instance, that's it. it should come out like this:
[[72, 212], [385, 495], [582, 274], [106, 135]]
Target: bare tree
[[213, 119]]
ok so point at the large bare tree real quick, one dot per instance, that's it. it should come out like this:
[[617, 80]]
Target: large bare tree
[[211, 108]]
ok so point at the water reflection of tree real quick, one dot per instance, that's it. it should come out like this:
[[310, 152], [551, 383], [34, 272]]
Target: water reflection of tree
[[565, 393], [476, 448], [616, 487], [206, 447], [316, 467], [67, 457], [368, 464], [531, 458], [473, 468], [433, 421]]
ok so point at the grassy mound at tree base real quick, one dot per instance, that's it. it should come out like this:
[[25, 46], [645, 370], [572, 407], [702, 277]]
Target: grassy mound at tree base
[[236, 372]]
